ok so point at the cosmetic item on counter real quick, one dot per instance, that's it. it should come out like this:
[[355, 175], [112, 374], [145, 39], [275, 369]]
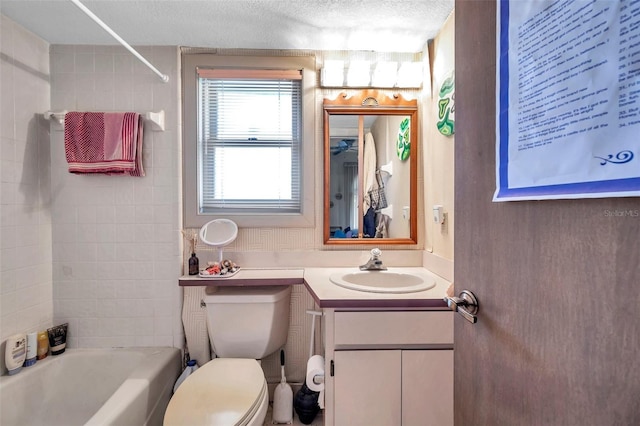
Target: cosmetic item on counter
[[58, 338], [194, 265], [15, 353], [32, 349], [43, 345]]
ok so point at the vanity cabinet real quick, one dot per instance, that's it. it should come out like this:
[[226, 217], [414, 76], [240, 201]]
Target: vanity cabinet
[[368, 387], [389, 367]]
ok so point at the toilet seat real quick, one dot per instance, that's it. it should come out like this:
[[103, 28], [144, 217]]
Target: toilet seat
[[223, 392]]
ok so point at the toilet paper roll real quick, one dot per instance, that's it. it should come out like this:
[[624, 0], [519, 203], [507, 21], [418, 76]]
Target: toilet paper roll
[[315, 367]]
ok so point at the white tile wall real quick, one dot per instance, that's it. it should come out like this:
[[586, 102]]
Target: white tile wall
[[116, 239], [26, 303]]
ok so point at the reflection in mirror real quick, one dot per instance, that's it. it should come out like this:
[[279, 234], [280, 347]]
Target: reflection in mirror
[[344, 209], [370, 171]]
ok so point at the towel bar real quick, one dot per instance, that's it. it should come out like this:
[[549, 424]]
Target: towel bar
[[155, 119]]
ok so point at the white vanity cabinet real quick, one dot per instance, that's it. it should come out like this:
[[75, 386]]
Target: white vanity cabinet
[[389, 367]]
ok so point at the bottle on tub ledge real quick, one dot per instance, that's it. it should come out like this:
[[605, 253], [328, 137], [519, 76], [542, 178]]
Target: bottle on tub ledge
[[194, 265], [32, 349], [58, 338], [43, 344], [15, 353]]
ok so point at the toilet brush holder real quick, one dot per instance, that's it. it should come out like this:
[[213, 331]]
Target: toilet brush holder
[[282, 398]]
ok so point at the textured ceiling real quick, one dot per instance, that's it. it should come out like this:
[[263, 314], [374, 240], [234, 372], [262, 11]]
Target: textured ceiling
[[378, 25]]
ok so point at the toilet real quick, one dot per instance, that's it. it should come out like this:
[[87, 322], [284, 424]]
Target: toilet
[[245, 325]]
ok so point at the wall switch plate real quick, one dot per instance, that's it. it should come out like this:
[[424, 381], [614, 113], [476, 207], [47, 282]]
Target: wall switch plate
[[438, 214]]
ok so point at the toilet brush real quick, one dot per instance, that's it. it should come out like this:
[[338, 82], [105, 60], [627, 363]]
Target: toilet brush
[[282, 398]]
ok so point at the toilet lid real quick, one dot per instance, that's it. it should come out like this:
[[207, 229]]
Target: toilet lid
[[224, 391]]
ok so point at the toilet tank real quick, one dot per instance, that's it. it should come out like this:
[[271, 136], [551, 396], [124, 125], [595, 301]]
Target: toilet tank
[[248, 322]]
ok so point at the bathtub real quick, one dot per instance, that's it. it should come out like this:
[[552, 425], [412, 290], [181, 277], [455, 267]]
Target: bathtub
[[124, 387]]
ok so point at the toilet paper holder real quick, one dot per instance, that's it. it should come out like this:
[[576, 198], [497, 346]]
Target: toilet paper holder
[[318, 379]]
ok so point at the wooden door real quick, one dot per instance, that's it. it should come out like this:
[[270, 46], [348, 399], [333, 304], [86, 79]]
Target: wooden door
[[557, 340]]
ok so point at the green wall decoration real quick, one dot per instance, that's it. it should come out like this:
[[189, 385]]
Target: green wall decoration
[[404, 144], [446, 106]]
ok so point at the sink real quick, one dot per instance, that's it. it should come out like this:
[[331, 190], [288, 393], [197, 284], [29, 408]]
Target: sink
[[382, 281]]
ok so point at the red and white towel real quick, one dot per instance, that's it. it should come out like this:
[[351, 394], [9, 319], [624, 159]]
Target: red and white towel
[[104, 142]]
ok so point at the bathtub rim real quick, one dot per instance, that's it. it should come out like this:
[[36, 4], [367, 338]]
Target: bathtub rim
[[166, 361]]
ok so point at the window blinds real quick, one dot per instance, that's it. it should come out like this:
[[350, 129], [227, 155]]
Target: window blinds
[[249, 140]]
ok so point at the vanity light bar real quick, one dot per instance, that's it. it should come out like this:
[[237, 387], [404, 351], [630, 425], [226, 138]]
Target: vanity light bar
[[383, 74]]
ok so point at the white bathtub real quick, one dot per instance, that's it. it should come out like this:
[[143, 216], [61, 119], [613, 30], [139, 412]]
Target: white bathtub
[[124, 387]]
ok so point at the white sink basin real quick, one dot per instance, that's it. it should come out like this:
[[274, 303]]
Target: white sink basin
[[382, 281]]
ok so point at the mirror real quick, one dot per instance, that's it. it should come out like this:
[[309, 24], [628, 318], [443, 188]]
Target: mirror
[[219, 233], [370, 169]]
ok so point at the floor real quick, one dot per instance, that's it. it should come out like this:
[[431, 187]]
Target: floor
[[296, 422]]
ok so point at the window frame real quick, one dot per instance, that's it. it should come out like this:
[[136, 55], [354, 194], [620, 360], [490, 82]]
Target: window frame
[[192, 217]]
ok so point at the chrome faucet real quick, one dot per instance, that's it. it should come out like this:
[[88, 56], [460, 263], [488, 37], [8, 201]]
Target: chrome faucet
[[374, 263]]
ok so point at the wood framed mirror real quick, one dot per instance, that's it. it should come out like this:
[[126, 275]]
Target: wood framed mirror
[[370, 169]]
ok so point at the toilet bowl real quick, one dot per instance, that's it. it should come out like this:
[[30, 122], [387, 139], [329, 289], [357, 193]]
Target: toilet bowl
[[245, 325], [224, 391]]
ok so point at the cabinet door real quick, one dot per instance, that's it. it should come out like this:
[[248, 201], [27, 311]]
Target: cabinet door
[[367, 388], [427, 388]]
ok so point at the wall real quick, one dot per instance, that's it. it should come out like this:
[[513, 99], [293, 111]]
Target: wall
[[340, 216], [26, 303], [116, 239], [439, 157], [293, 247], [385, 133]]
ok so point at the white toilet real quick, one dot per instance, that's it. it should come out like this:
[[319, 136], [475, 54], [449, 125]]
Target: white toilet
[[245, 325]]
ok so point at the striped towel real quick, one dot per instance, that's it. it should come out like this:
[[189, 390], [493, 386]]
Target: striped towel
[[104, 142]]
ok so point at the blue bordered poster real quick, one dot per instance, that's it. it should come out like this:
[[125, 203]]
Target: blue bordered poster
[[567, 99]]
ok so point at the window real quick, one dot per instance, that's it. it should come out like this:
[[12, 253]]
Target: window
[[248, 137], [249, 120]]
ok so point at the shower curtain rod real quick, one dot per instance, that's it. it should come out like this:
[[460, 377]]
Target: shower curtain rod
[[104, 26]]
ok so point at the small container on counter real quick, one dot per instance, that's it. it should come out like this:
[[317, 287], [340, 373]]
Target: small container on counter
[[194, 265]]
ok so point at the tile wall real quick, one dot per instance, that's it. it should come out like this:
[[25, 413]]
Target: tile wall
[[116, 239], [26, 300]]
